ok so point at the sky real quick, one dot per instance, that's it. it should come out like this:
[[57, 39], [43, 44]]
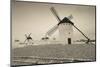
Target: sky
[[37, 18]]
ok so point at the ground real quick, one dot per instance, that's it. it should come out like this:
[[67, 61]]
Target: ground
[[52, 53]]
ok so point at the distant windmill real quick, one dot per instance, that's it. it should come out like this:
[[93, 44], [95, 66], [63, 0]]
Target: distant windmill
[[16, 40], [65, 27], [28, 38]]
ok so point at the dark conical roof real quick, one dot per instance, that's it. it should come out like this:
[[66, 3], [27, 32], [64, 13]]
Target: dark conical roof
[[65, 20]]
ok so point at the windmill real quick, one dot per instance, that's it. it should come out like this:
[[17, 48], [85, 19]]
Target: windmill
[[28, 38], [65, 27]]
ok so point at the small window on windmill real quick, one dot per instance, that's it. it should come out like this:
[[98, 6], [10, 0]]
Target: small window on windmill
[[64, 23], [68, 23]]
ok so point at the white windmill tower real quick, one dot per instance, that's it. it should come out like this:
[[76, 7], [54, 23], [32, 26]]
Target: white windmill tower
[[65, 27]]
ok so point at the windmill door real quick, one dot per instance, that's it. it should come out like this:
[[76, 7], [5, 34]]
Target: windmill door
[[69, 40]]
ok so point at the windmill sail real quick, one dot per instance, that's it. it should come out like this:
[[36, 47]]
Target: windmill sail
[[81, 32], [88, 40], [70, 17], [55, 13], [29, 35], [52, 30]]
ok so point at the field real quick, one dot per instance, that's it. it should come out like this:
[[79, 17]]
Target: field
[[53, 53]]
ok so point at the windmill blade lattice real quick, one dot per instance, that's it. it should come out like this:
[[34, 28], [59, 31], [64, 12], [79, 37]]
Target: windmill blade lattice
[[55, 13], [29, 35], [52, 30], [88, 40], [25, 35], [81, 32], [70, 17]]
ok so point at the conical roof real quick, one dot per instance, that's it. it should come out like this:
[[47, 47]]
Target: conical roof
[[65, 20]]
